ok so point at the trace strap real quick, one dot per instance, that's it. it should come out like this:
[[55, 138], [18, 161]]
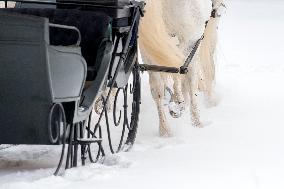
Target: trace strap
[[184, 67]]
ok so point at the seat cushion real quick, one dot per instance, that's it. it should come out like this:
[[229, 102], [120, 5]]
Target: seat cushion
[[94, 27]]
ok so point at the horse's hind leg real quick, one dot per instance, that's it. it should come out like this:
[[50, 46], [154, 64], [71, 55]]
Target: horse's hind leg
[[157, 89], [99, 102], [193, 88]]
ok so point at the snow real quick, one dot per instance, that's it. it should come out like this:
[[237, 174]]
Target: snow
[[241, 146]]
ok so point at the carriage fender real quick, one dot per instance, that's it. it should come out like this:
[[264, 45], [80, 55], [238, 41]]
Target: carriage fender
[[68, 71]]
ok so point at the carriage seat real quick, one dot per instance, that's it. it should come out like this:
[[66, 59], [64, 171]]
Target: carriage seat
[[33, 76], [95, 27]]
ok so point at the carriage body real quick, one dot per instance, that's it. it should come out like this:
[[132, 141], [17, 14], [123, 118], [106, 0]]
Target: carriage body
[[57, 58]]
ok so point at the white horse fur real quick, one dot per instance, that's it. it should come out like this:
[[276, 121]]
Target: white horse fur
[[168, 32]]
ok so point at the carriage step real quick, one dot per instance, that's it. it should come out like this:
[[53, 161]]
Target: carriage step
[[88, 140]]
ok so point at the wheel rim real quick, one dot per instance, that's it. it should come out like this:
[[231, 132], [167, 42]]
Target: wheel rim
[[55, 122]]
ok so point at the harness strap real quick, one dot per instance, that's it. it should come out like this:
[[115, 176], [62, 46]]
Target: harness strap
[[184, 67]]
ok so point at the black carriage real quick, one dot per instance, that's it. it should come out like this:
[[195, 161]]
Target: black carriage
[[56, 60]]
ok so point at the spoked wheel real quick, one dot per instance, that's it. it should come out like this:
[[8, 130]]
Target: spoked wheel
[[121, 126]]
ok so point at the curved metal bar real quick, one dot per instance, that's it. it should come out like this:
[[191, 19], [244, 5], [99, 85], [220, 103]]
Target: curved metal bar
[[131, 89], [63, 142], [108, 127], [69, 157], [116, 123], [125, 107], [125, 120], [100, 145], [92, 134], [54, 139], [89, 135]]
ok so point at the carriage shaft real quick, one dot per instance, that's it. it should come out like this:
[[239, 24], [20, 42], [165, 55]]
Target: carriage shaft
[[155, 68]]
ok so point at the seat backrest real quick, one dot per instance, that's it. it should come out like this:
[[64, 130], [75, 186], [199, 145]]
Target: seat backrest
[[94, 27], [25, 92]]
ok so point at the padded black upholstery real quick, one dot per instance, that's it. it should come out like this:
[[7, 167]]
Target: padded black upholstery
[[94, 27], [33, 76]]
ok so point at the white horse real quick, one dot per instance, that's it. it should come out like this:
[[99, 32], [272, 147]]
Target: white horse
[[168, 32]]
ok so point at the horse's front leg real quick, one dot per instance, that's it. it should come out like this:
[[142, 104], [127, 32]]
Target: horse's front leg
[[157, 89], [177, 104]]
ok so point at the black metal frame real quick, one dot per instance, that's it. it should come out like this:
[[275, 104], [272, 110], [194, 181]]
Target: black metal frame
[[95, 136], [79, 132]]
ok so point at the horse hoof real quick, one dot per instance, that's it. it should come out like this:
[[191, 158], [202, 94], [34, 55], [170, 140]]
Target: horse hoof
[[165, 133], [176, 110], [198, 125], [175, 114], [99, 106]]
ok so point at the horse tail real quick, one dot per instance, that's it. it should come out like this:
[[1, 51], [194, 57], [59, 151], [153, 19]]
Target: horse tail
[[156, 45], [207, 57]]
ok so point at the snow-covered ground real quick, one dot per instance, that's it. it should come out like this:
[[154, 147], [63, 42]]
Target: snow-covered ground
[[242, 146]]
